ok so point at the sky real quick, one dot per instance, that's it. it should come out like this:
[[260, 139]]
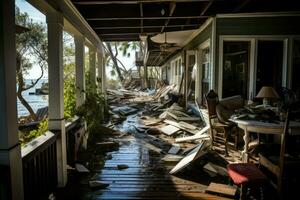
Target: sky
[[37, 16]]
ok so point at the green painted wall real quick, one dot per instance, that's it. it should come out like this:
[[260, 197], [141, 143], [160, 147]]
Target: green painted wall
[[258, 26], [253, 26]]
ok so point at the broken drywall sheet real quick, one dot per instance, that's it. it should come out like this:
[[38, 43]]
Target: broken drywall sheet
[[194, 154]]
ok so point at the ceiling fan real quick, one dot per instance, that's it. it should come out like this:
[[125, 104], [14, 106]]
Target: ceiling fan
[[168, 47]]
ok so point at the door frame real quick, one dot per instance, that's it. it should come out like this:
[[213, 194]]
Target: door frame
[[188, 53], [198, 88]]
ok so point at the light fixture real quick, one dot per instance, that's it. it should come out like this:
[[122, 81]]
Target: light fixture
[[267, 93], [162, 12]]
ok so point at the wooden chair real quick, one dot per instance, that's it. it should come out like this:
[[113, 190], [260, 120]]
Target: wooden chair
[[219, 131], [286, 165]]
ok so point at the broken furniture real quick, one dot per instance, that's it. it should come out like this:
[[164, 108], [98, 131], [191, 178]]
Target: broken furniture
[[286, 164], [219, 131], [247, 176]]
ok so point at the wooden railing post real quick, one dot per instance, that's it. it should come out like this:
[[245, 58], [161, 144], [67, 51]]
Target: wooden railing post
[[56, 95], [10, 150]]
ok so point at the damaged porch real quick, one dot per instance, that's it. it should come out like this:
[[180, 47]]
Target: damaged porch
[[152, 150]]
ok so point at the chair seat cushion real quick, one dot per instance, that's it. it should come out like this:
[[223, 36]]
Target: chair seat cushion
[[242, 173]]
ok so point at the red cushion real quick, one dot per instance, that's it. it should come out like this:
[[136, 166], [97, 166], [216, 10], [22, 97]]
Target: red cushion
[[245, 173]]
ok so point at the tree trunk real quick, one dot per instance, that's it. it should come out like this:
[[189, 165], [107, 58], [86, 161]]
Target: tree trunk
[[115, 62], [20, 90]]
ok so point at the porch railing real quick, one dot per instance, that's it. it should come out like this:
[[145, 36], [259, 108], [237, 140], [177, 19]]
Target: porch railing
[[39, 166]]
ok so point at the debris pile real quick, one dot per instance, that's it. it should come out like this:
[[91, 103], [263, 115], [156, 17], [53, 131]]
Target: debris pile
[[165, 125]]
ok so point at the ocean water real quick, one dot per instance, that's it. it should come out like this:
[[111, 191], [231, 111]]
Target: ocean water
[[35, 101]]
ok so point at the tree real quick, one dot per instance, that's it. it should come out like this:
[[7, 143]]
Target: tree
[[125, 48], [31, 47]]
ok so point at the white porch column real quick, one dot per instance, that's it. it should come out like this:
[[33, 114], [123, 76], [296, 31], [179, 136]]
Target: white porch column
[[103, 80], [92, 57], [79, 69], [99, 75], [56, 94], [10, 150]]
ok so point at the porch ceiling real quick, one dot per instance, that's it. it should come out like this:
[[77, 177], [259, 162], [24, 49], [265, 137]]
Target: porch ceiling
[[115, 20]]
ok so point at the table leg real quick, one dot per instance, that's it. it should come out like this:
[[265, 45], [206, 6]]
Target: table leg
[[245, 151]]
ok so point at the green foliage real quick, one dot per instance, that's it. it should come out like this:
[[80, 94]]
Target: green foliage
[[94, 111], [69, 78], [31, 44], [27, 136], [69, 95]]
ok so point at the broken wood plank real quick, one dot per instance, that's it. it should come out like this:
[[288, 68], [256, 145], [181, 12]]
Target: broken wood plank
[[172, 158], [187, 125], [194, 154], [98, 185], [174, 149], [199, 135], [221, 189], [169, 129], [178, 125]]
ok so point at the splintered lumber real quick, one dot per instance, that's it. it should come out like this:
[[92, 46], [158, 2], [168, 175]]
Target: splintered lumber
[[169, 129], [181, 116], [221, 189], [174, 149], [172, 158], [190, 157], [181, 126], [187, 125], [198, 136]]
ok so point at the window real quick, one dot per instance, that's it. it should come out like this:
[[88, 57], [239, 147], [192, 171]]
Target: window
[[235, 68]]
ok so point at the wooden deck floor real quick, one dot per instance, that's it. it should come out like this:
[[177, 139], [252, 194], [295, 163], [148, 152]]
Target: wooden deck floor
[[146, 177]]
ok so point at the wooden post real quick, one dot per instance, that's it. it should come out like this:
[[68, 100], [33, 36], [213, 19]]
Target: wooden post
[[92, 57], [79, 69], [56, 95], [10, 150]]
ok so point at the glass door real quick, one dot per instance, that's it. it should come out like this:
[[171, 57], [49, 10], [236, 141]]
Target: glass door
[[206, 76], [235, 68], [191, 75], [269, 64]]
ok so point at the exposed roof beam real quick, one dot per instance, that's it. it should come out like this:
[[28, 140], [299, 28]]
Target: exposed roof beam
[[144, 18], [81, 2], [137, 27], [172, 9], [207, 7], [241, 5], [125, 34]]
